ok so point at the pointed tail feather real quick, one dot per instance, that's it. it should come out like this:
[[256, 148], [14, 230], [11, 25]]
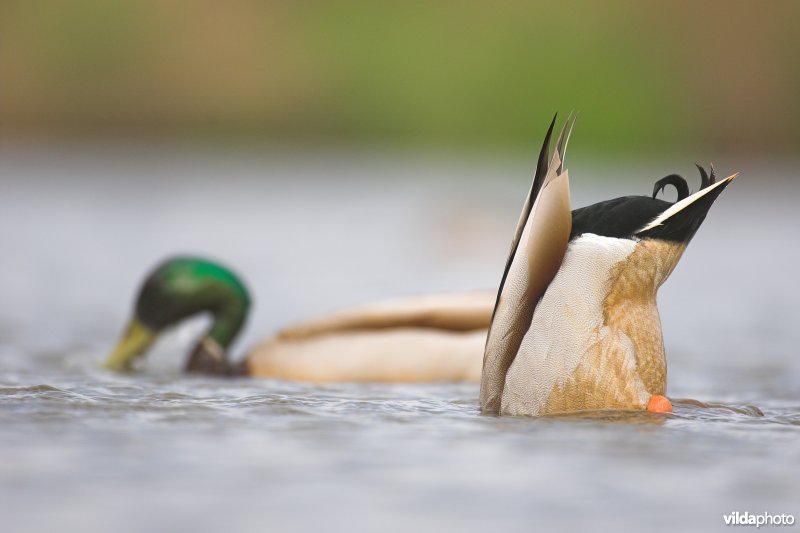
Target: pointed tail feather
[[709, 192]]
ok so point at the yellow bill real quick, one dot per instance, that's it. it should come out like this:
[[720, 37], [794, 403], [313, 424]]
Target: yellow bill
[[134, 342]]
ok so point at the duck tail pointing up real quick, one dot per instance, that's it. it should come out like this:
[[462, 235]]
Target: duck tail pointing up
[[680, 221]]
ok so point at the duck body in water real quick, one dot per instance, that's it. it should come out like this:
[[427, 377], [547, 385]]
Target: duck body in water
[[573, 326]]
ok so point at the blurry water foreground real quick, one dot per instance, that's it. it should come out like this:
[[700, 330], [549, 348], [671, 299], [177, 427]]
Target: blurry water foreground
[[88, 450]]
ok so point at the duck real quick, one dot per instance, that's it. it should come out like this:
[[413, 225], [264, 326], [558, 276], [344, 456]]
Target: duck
[[426, 338], [573, 326]]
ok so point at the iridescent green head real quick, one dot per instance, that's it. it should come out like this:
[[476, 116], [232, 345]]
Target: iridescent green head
[[177, 289]]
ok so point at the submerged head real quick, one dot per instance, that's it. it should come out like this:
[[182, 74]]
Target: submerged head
[[175, 290]]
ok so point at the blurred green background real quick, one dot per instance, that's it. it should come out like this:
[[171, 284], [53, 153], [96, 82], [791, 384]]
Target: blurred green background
[[647, 77]]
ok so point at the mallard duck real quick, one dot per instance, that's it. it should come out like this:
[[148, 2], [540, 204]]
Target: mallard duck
[[573, 326], [419, 339]]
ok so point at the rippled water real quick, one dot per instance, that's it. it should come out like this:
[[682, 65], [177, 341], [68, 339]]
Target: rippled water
[[83, 449]]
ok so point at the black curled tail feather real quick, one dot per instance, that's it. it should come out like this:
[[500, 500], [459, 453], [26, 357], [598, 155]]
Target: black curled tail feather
[[706, 180], [676, 181]]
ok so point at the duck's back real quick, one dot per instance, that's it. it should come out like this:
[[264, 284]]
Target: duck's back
[[419, 339]]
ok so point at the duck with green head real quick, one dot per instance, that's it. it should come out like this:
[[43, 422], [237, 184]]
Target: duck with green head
[[178, 289], [427, 338]]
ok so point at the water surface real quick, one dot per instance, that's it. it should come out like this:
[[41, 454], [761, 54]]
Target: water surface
[[84, 449]]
